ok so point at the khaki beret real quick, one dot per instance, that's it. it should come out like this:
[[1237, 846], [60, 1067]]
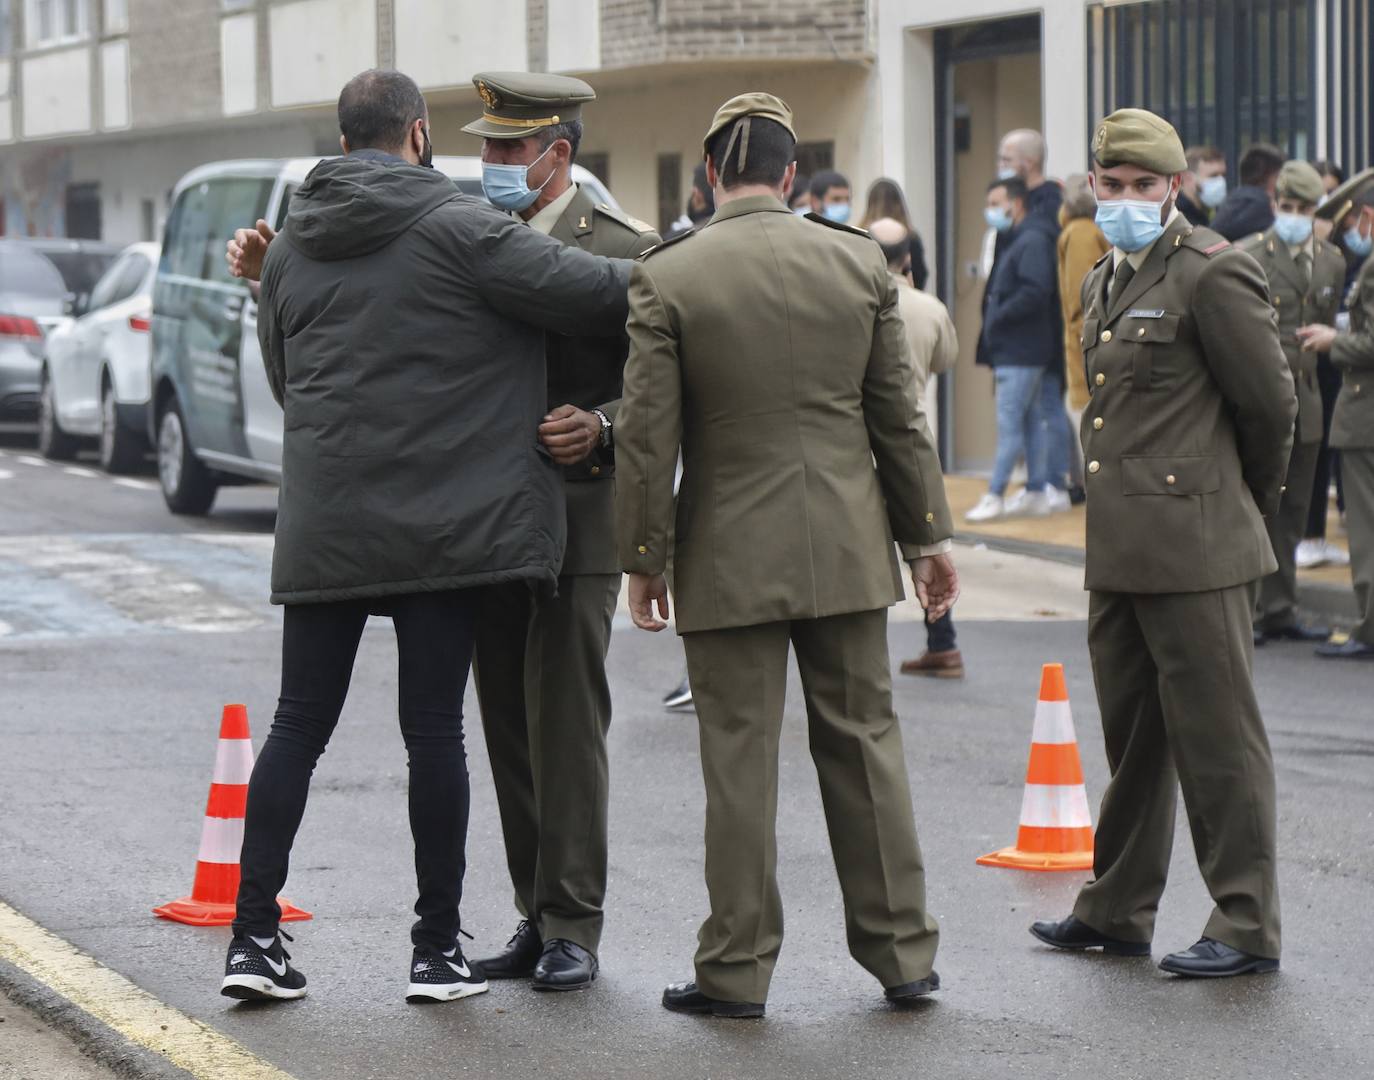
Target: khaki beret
[[744, 107], [1343, 199], [1298, 180], [1138, 137], [516, 104]]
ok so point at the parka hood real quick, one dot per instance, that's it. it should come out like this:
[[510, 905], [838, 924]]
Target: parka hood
[[350, 206]]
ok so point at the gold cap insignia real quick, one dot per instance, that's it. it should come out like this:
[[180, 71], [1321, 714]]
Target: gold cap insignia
[[1101, 137], [489, 96]]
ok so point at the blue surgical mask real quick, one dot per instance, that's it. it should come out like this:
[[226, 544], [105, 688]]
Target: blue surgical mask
[[506, 188], [1293, 229], [1130, 224], [997, 217], [1212, 191], [1006, 173], [1356, 244], [838, 212]]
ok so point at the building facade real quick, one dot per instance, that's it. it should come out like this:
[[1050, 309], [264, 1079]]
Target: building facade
[[104, 104]]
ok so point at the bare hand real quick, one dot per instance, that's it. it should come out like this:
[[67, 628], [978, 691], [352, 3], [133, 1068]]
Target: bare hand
[[937, 584], [645, 591], [247, 250], [1317, 337], [570, 434]]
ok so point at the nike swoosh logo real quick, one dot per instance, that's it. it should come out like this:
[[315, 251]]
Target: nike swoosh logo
[[279, 968], [462, 968]]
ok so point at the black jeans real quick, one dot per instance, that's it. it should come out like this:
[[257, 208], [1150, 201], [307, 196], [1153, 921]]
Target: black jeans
[[434, 638]]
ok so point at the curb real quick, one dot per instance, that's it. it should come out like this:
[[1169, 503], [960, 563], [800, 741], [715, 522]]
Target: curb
[[98, 1042], [1332, 602]]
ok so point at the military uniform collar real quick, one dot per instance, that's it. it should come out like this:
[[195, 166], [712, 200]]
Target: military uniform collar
[[750, 204], [547, 218]]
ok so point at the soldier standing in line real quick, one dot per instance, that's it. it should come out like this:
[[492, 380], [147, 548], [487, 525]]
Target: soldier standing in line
[[770, 349], [1187, 438], [540, 662], [1305, 276]]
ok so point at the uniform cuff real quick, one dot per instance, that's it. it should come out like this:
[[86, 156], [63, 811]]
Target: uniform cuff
[[912, 552]]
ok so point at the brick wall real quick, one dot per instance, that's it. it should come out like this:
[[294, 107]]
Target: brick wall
[[635, 32], [174, 61]]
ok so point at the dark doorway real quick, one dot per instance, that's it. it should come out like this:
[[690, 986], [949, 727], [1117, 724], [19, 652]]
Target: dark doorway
[[83, 211]]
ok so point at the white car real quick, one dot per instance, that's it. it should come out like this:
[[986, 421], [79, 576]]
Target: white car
[[95, 368]]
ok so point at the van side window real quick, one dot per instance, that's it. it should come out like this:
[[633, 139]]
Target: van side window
[[242, 200], [204, 218], [286, 194]]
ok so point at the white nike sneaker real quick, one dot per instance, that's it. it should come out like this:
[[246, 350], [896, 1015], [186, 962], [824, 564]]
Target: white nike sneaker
[[1057, 501], [1335, 556], [436, 976], [252, 973], [1027, 503], [990, 507], [1310, 553]]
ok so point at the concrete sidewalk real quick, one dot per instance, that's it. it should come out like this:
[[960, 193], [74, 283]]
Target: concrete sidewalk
[[1324, 591]]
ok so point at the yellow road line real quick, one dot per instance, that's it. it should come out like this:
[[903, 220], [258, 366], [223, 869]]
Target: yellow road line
[[119, 1004]]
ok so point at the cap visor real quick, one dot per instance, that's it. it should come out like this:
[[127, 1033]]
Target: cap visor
[[487, 130]]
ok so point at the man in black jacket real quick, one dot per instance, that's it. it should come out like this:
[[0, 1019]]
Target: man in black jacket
[[399, 338], [1250, 208]]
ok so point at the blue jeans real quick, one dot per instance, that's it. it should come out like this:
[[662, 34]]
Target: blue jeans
[[1058, 430], [1020, 427]]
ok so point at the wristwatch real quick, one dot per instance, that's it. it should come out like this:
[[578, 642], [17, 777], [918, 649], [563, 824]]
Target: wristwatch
[[606, 437]]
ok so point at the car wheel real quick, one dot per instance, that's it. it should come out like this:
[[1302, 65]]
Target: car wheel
[[53, 443], [120, 448], [187, 485]]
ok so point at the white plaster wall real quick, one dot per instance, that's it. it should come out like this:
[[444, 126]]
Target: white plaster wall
[[114, 84], [238, 69], [6, 103], [445, 42], [317, 46], [55, 88], [574, 35]]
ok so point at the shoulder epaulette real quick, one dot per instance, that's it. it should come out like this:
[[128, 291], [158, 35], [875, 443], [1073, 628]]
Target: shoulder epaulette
[[1102, 258], [813, 216], [622, 218], [667, 243], [1205, 241]]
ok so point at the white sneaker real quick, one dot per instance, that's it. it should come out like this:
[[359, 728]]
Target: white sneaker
[[1310, 553], [1334, 556], [1058, 501], [990, 507], [1027, 503]]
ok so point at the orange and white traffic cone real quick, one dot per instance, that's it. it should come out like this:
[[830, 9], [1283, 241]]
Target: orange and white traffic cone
[[216, 887], [1056, 830]]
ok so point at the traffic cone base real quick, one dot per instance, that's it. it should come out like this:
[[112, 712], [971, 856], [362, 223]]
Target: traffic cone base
[[1056, 825]]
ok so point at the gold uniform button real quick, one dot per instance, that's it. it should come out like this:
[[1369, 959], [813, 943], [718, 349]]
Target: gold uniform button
[[596, 470], [1171, 479], [643, 550], [1106, 336], [1097, 424], [929, 518], [1101, 379], [1140, 332], [1094, 466]]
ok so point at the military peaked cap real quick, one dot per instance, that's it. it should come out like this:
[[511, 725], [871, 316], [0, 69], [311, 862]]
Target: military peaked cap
[[516, 104]]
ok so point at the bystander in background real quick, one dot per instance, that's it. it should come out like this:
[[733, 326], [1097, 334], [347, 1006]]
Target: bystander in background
[[1250, 208], [1203, 187], [1081, 244], [885, 200]]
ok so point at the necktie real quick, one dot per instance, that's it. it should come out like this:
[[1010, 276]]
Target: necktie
[[1305, 269], [1124, 273]]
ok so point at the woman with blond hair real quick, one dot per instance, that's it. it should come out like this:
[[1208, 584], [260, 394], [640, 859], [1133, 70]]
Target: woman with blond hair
[[885, 200]]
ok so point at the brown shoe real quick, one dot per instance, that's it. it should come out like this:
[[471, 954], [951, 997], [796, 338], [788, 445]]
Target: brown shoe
[[936, 665]]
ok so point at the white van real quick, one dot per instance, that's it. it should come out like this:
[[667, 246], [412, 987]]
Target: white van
[[211, 415]]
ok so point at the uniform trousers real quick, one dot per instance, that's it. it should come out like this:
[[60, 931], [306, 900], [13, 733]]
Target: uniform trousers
[[1277, 603], [739, 677], [540, 669], [1358, 467], [1173, 676]]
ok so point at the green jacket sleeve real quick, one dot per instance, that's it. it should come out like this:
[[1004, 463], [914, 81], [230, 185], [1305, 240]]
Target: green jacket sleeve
[[649, 431], [898, 434], [270, 337], [1240, 341], [641, 243], [1355, 349]]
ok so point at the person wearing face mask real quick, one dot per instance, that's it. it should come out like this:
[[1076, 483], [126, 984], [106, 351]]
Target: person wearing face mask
[[1305, 277], [1203, 187], [403, 327], [1187, 437], [540, 661], [831, 197]]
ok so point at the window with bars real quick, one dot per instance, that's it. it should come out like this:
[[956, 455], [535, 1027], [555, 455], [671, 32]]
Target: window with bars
[[1348, 119], [51, 22]]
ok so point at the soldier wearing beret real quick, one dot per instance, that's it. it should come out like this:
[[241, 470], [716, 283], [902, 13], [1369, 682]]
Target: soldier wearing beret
[[1187, 438], [769, 347], [1305, 276], [541, 661]]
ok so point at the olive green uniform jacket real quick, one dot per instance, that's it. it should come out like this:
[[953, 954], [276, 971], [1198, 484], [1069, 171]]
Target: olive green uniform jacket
[[1352, 424], [781, 513]]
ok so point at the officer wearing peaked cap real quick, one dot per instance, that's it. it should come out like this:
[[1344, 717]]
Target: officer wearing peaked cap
[[1187, 439], [770, 349], [541, 662], [1305, 277]]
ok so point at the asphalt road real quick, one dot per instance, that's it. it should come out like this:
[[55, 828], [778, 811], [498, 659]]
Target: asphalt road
[[123, 631]]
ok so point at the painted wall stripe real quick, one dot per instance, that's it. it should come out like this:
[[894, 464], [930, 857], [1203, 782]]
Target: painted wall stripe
[[221, 840], [130, 1011], [1055, 806]]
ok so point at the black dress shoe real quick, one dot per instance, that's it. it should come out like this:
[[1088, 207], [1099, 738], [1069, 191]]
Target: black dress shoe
[[565, 965], [1294, 632], [517, 959], [1210, 959], [1350, 649], [913, 991], [685, 997], [1073, 933]]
